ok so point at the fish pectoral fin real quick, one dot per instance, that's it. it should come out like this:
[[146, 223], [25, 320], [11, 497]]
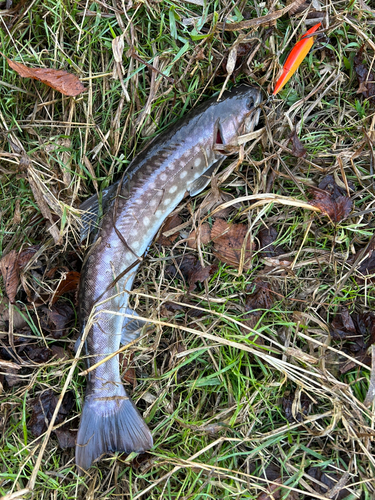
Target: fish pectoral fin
[[203, 181], [131, 327], [90, 209]]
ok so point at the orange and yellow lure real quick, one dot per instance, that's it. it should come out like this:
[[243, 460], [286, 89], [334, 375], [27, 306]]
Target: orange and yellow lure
[[296, 56]]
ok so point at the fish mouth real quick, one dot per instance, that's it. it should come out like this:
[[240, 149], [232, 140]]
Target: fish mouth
[[252, 118]]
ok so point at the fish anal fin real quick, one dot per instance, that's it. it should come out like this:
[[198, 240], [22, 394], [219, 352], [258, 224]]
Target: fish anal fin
[[131, 327]]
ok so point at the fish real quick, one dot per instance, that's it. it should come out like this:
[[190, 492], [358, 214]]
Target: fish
[[179, 160]]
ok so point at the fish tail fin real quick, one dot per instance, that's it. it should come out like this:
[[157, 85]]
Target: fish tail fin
[[104, 428]]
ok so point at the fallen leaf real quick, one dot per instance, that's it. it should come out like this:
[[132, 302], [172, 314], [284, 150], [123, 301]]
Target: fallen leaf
[[69, 283], [26, 255], [336, 209], [43, 408], [256, 302], [329, 184], [191, 270], [296, 406], [127, 371], [356, 333], [365, 77], [56, 319], [331, 479], [267, 237], [204, 232], [229, 242], [171, 222], [298, 149], [60, 80], [10, 270], [273, 491]]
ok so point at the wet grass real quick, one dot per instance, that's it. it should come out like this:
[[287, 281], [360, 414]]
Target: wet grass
[[217, 408]]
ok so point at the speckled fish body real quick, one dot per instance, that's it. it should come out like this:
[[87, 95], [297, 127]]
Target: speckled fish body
[[157, 180]]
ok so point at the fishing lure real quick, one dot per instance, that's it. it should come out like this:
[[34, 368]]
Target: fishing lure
[[296, 56]]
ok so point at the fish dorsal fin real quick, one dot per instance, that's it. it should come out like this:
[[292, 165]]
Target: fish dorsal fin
[[90, 208], [199, 184], [131, 327]]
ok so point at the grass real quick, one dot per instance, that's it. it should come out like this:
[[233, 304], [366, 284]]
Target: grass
[[213, 390]]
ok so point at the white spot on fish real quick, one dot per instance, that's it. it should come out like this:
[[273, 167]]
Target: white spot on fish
[[152, 185], [134, 231], [197, 149], [183, 174], [136, 245], [196, 175], [166, 201], [163, 177], [138, 201], [159, 213], [197, 162], [173, 189], [146, 221], [153, 202]]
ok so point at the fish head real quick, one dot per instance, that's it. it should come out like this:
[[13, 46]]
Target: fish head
[[239, 115]]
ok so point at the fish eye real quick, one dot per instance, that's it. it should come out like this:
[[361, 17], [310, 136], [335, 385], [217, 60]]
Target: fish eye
[[250, 103]]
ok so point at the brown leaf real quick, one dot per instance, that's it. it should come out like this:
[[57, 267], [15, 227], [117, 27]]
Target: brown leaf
[[298, 149], [329, 184], [43, 408], [302, 407], [10, 270], [365, 77], [356, 332], [170, 223], [192, 270], [204, 232], [267, 236], [127, 371], [69, 283], [298, 7], [26, 255], [255, 303], [229, 239], [60, 80], [273, 491], [336, 209], [56, 319]]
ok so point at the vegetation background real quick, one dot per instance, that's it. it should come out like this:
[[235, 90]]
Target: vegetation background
[[281, 403]]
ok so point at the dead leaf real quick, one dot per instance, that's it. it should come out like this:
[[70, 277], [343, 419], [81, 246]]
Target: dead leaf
[[127, 370], [10, 270], [229, 242], [296, 406], [336, 209], [69, 283], [356, 333], [298, 7], [273, 491], [170, 223], [60, 80], [267, 237], [204, 232], [43, 408], [191, 270], [329, 184], [56, 319], [298, 149], [365, 77], [26, 255]]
